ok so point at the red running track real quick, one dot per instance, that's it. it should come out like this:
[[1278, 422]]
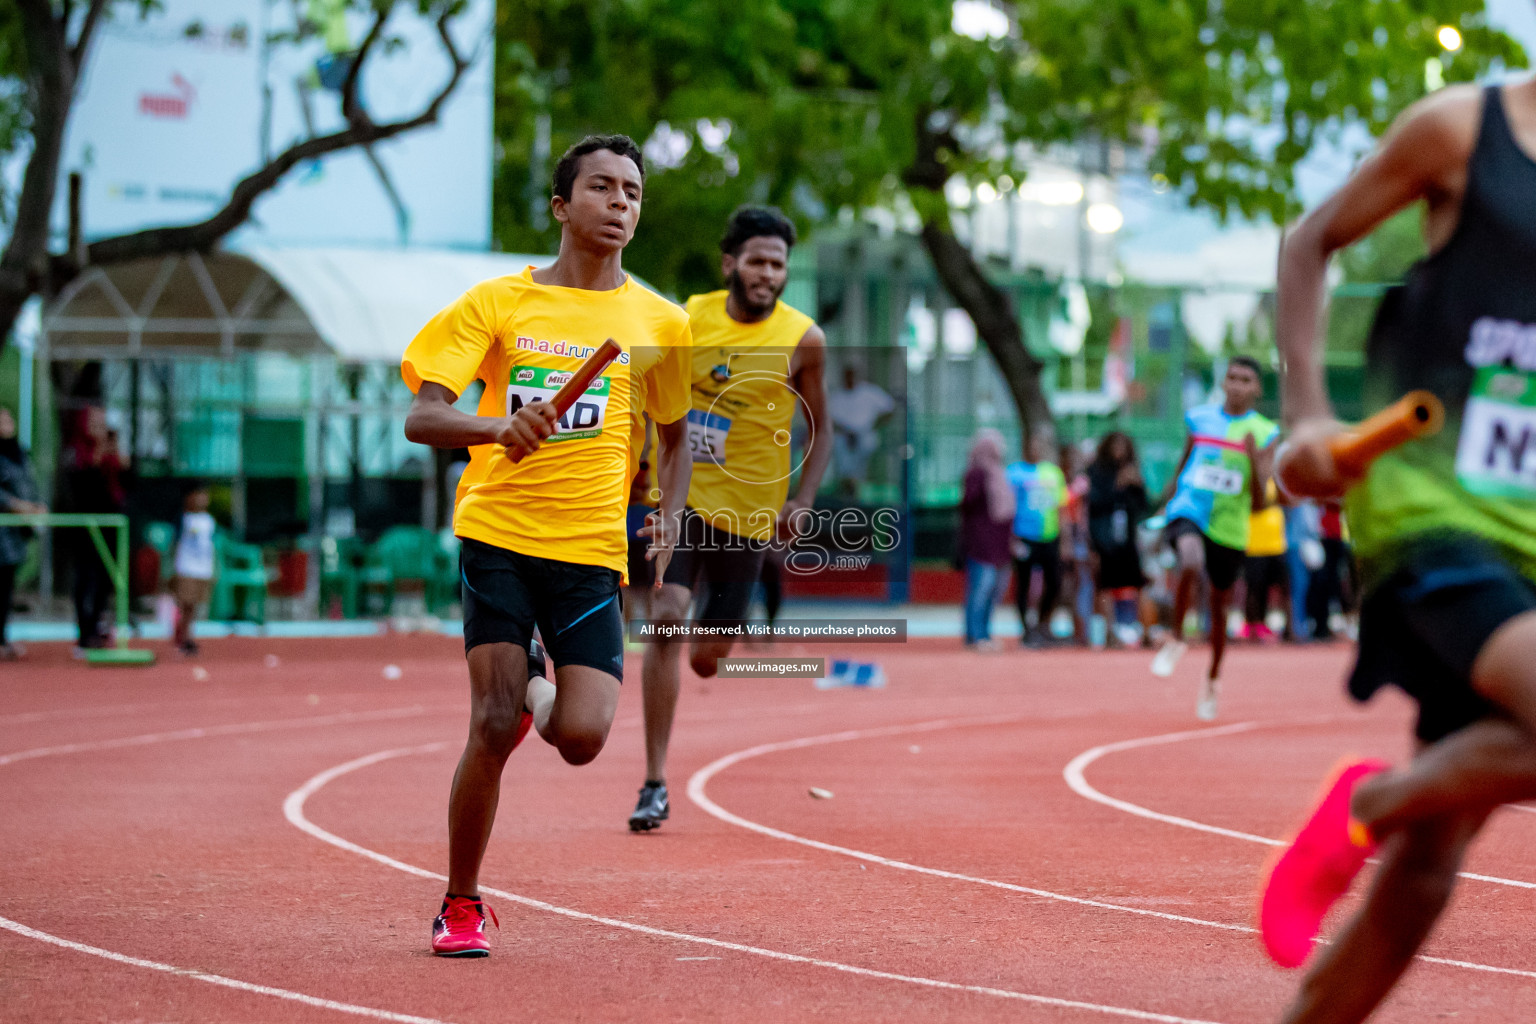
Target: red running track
[[261, 845]]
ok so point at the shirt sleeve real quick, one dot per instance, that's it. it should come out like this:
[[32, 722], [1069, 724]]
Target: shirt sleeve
[[669, 384], [452, 345]]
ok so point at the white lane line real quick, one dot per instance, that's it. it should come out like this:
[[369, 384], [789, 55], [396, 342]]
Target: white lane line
[[145, 739], [701, 778], [1073, 773], [293, 810], [216, 979]]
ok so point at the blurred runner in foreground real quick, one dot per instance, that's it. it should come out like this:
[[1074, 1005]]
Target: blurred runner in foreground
[[1445, 527]]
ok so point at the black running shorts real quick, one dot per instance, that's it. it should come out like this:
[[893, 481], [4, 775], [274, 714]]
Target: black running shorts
[[719, 567], [576, 607], [1422, 628], [1222, 564]]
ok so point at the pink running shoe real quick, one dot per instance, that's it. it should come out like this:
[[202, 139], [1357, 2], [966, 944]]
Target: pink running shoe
[[1315, 870], [523, 725], [460, 929]]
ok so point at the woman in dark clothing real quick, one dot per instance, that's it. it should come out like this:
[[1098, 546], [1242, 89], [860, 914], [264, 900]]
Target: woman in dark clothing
[[1117, 502], [18, 493], [986, 530], [90, 475]]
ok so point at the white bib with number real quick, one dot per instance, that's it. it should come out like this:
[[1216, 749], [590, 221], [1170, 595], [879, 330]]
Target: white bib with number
[[707, 433], [1208, 476], [1496, 453], [585, 418]]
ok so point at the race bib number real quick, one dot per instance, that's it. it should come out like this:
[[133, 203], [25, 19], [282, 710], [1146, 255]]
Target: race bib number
[[707, 433], [1496, 453], [1208, 476], [584, 419]]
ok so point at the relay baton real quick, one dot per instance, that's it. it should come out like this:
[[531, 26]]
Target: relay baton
[[1417, 414], [577, 386]]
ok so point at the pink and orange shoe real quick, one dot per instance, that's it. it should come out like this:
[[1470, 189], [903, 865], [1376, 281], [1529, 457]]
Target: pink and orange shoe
[[1316, 869], [460, 929]]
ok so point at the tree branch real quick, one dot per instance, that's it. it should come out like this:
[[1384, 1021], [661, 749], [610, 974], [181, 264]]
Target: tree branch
[[355, 113], [992, 311], [52, 79], [205, 234], [87, 30]]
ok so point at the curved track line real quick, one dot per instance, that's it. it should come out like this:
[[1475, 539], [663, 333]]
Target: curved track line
[[1073, 773], [144, 739], [215, 979], [293, 810], [702, 777]]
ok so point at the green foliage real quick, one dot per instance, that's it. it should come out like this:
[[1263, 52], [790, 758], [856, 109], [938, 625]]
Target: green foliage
[[1386, 254], [838, 105]]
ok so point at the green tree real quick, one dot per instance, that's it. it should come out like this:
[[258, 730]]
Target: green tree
[[851, 104], [44, 48]]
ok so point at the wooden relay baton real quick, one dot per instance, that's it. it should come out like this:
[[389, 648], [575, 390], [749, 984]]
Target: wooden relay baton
[[582, 379]]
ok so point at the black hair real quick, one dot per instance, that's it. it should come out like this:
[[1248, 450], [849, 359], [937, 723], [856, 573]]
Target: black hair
[[1249, 362], [1103, 457], [570, 160], [750, 222], [191, 487]]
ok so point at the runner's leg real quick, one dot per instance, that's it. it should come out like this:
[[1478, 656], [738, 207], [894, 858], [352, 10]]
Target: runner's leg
[[660, 677], [498, 677], [1355, 972]]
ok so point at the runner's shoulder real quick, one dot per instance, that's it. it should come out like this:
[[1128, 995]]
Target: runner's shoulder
[[696, 304], [1446, 120], [663, 312]]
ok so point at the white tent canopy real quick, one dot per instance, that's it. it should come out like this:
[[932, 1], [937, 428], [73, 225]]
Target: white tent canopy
[[358, 305]]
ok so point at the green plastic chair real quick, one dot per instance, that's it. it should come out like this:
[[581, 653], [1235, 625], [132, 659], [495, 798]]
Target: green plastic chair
[[340, 576], [408, 554], [239, 582], [443, 588]]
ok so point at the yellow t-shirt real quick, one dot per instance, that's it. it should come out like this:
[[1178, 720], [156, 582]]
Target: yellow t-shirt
[[566, 501], [743, 407], [1266, 528]]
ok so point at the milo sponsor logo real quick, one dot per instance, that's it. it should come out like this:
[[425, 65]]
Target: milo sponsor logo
[[586, 417]]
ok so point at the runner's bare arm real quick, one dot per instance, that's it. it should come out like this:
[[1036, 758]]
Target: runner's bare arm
[[674, 469], [1423, 156], [432, 420], [809, 382], [1178, 471]]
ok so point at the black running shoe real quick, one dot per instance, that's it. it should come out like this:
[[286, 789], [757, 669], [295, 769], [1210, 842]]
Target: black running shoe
[[652, 809]]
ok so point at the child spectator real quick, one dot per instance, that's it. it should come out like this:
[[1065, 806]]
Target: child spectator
[[194, 565]]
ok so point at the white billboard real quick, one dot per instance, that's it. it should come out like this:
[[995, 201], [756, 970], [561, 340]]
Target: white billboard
[[177, 107]]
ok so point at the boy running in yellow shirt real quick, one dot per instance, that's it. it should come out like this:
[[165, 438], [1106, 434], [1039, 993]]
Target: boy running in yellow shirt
[[755, 360], [543, 537]]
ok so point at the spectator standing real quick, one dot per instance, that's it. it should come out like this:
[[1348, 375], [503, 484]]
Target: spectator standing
[[856, 410], [18, 494], [1334, 582], [90, 478], [987, 510], [193, 581], [1117, 502], [1264, 569], [1039, 491]]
